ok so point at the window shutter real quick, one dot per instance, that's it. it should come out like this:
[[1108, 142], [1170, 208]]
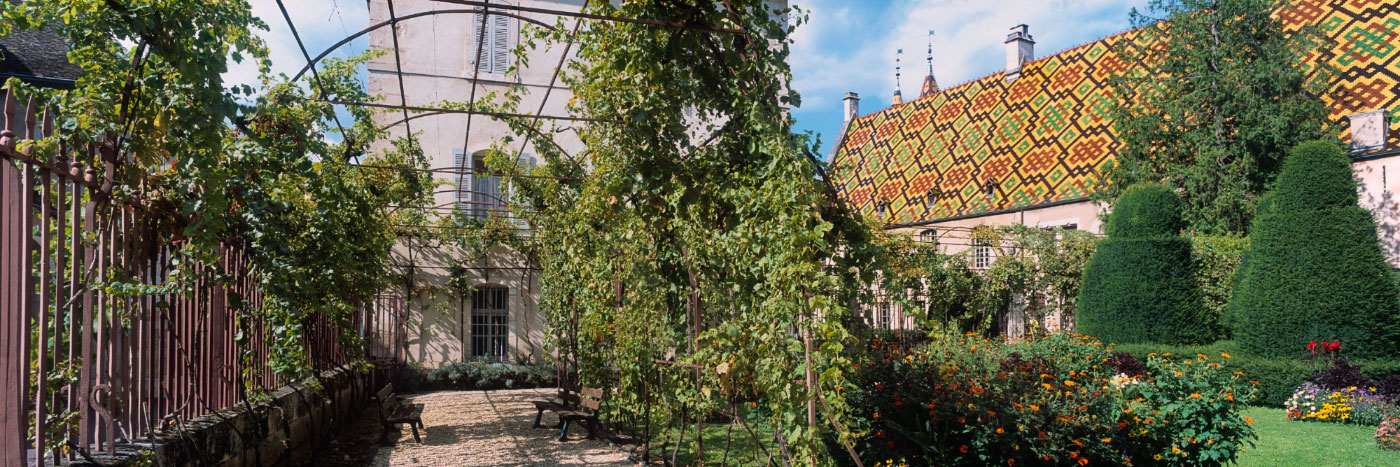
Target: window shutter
[[500, 43], [459, 161], [481, 61]]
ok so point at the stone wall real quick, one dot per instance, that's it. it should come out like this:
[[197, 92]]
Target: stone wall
[[298, 418]]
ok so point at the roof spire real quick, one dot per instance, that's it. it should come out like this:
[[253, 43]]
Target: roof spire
[[930, 85], [898, 99], [930, 52]]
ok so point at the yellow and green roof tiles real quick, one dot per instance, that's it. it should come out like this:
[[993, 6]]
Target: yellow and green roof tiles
[[1045, 136]]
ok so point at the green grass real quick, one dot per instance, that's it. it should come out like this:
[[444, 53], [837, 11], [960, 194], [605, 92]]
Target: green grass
[[1284, 443], [742, 451]]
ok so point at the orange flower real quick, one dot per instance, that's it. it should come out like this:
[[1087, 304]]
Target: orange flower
[[1074, 455], [1083, 461], [1047, 385], [1035, 408], [1247, 419], [1000, 430], [1223, 354], [963, 449], [1069, 383], [1195, 395], [1107, 440]]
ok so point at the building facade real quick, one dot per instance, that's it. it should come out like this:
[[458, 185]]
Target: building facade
[[1027, 144], [439, 63]]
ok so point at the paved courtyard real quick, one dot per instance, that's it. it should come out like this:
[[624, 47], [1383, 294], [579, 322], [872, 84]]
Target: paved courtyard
[[470, 428]]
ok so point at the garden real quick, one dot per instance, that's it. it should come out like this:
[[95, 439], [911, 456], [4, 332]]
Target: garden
[[718, 290]]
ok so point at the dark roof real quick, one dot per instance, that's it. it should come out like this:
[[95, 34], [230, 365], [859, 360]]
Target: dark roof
[[39, 56]]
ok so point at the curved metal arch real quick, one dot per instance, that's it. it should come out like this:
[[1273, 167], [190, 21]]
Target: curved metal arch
[[536, 131], [373, 27]]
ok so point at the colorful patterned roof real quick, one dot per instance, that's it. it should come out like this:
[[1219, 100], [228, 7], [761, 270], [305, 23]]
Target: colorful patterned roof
[[1045, 136]]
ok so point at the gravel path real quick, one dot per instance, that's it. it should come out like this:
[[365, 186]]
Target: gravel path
[[470, 428]]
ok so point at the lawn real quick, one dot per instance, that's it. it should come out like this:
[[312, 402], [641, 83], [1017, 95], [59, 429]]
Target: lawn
[[1282, 442], [742, 451]]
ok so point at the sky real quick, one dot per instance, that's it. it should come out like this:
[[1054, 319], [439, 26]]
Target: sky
[[846, 45]]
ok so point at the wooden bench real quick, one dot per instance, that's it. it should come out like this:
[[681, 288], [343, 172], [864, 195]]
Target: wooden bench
[[574, 406], [392, 412]]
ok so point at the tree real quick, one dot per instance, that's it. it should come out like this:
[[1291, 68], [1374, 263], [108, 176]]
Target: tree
[[1316, 269], [1216, 101], [1140, 285], [690, 259]]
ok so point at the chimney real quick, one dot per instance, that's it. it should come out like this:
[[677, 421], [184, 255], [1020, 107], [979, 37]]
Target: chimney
[[1020, 48], [1368, 130], [852, 101]]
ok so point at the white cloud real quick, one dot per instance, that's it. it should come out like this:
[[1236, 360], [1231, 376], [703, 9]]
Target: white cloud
[[320, 24]]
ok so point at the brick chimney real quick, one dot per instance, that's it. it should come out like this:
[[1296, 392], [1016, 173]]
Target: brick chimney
[[852, 107], [1020, 48], [1368, 130]]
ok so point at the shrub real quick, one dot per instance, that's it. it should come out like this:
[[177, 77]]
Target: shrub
[[1216, 259], [1048, 401], [1341, 375], [1139, 285], [1277, 377], [1316, 270], [1388, 434], [1389, 387], [480, 375], [1126, 364]]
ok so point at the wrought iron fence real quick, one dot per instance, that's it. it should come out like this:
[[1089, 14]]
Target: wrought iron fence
[[85, 367]]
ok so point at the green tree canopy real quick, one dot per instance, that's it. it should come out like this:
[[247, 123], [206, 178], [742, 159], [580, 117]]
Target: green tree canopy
[[1217, 100]]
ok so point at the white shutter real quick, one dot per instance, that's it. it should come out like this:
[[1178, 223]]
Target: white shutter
[[500, 43], [459, 161], [495, 46]]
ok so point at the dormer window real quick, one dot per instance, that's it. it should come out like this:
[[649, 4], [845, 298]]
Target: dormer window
[[989, 188], [931, 198]]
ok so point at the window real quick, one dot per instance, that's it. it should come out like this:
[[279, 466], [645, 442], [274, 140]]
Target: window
[[882, 315], [982, 255], [486, 189], [495, 50], [929, 236], [490, 318]]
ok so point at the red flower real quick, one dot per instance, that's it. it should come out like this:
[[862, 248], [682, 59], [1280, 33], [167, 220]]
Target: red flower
[[1312, 347], [1334, 346]]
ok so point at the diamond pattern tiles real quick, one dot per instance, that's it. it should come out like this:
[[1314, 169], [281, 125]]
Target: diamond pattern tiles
[[1045, 136]]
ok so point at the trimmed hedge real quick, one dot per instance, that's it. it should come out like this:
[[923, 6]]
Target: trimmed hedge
[[1277, 377], [1316, 269], [1217, 258], [479, 375], [1139, 285]]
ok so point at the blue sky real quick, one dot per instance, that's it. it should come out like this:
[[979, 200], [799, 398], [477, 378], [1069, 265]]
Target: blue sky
[[847, 45]]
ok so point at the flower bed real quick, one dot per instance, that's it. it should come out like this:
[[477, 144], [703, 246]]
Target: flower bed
[[1053, 400], [1388, 434]]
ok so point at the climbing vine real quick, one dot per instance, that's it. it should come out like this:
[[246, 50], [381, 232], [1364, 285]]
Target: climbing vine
[[265, 169]]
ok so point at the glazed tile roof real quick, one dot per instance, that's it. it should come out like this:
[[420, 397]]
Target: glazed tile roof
[[1044, 137]]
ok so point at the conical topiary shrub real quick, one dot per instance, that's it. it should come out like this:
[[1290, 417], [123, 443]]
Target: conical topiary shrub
[[1139, 286], [1316, 270]]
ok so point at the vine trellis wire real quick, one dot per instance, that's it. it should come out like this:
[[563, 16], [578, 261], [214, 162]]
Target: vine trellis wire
[[124, 366]]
